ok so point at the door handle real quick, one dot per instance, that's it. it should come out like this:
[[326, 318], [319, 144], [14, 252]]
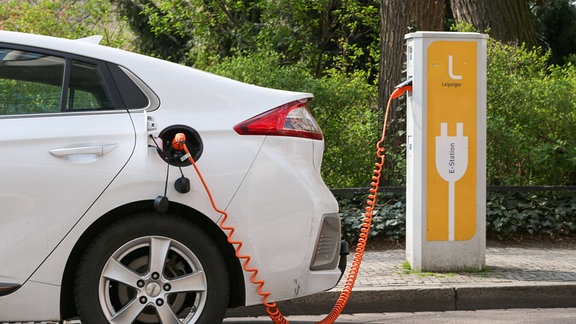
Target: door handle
[[98, 150]]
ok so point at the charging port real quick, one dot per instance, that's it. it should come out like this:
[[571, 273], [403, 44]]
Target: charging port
[[173, 156]]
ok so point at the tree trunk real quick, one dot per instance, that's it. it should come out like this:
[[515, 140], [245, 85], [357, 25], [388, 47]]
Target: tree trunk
[[428, 15], [394, 24], [397, 18], [508, 21]]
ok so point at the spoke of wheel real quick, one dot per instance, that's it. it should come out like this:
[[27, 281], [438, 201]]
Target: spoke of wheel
[[190, 282], [158, 252], [128, 313], [166, 314], [116, 271]]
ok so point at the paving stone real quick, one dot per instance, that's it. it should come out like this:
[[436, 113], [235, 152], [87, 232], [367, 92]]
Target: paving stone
[[504, 265]]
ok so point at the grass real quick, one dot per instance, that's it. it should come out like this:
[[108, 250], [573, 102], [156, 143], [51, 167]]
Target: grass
[[407, 269]]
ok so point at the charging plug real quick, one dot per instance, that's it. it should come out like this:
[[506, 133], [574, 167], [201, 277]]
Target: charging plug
[[179, 142], [401, 89], [451, 164], [182, 184]]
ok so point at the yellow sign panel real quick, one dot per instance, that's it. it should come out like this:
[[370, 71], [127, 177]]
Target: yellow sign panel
[[451, 141]]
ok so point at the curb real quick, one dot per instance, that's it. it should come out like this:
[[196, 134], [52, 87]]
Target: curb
[[426, 299]]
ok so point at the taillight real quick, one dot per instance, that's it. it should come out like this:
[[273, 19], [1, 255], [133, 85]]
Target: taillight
[[291, 119]]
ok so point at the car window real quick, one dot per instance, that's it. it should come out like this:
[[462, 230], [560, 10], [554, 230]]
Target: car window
[[132, 95], [29, 82], [32, 83], [86, 88]]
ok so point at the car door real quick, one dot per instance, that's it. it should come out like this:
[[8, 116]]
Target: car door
[[63, 139]]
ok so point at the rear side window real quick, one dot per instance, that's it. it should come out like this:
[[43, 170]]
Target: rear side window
[[32, 83], [86, 88], [132, 95]]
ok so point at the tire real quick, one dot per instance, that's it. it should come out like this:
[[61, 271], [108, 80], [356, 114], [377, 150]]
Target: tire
[[186, 282]]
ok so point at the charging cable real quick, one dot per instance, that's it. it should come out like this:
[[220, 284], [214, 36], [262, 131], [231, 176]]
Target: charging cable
[[179, 143], [451, 164]]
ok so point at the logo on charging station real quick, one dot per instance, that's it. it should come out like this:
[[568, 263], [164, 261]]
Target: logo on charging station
[[451, 164], [451, 141]]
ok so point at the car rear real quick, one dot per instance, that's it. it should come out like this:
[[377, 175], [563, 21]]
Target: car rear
[[293, 216]]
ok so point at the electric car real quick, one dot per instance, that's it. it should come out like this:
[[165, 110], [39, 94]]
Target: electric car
[[134, 190]]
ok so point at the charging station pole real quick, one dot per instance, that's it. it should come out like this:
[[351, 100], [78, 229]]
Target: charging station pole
[[446, 151]]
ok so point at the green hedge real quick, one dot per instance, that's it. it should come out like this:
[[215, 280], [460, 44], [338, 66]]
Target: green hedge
[[510, 215]]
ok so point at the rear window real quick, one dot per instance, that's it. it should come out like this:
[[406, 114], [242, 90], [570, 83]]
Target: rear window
[[86, 88]]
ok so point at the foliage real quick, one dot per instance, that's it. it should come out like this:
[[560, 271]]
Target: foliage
[[388, 221], [177, 30], [17, 97], [64, 18], [320, 34], [463, 27], [509, 215], [344, 107], [531, 117], [557, 27], [323, 34], [516, 215]]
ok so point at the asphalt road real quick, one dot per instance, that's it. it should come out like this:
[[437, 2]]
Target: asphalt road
[[524, 316]]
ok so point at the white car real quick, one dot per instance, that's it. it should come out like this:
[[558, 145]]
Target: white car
[[104, 219]]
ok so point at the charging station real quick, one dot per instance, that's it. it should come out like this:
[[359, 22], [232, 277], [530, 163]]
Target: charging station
[[446, 151]]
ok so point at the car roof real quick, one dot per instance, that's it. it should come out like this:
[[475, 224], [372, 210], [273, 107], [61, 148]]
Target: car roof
[[83, 46]]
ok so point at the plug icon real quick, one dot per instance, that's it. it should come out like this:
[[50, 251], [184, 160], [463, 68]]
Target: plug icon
[[451, 164]]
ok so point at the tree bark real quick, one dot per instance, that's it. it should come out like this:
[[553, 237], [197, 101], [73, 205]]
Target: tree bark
[[508, 21]]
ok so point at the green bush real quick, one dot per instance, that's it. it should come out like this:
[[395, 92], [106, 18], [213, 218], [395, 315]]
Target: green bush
[[509, 215], [531, 116], [531, 214], [388, 220]]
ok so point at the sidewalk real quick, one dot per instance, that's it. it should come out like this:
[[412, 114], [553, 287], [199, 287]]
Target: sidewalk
[[517, 277]]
